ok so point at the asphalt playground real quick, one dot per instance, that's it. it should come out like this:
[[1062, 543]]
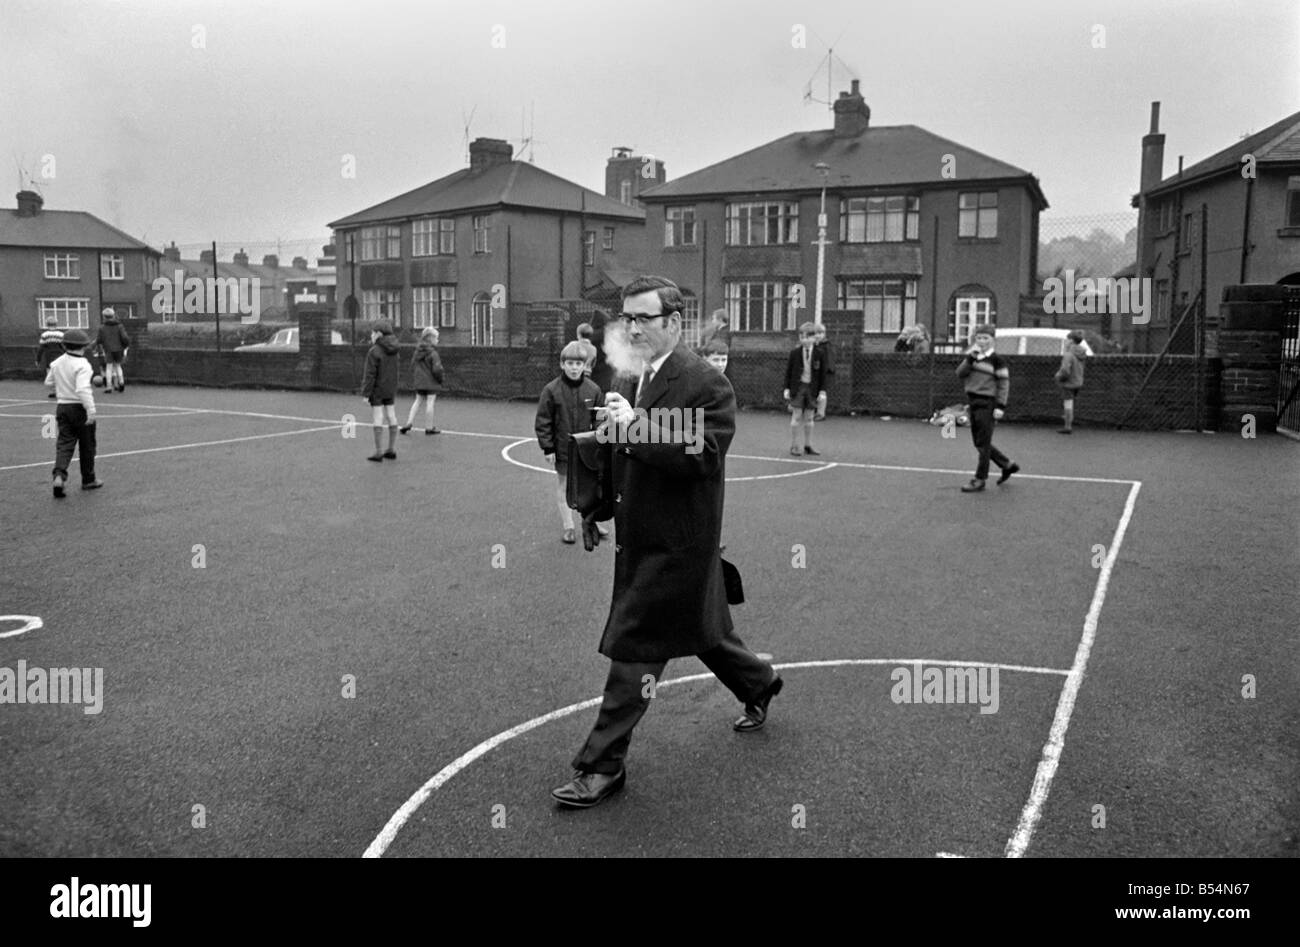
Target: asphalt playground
[[400, 659]]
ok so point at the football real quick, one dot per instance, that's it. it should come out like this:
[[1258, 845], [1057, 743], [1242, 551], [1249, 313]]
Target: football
[[97, 380]]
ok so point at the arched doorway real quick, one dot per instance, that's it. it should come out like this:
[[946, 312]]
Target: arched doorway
[[480, 330]]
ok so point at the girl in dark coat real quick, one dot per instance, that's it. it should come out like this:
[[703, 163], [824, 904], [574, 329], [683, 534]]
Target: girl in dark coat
[[426, 379], [379, 388]]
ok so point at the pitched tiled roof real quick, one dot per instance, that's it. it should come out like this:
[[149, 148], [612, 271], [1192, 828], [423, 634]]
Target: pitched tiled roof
[[225, 268], [893, 155], [1278, 143], [71, 229], [516, 183]]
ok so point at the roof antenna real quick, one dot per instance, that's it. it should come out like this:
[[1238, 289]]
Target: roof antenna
[[467, 120], [828, 61], [527, 142]]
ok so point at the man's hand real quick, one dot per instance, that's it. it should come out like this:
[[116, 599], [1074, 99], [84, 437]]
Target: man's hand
[[998, 414], [550, 459], [90, 421], [821, 406], [785, 394], [619, 411], [590, 534]]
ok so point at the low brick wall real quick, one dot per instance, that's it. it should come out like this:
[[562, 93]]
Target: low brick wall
[[888, 383]]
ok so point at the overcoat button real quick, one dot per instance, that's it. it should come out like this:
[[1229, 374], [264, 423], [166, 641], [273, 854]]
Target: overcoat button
[[618, 548]]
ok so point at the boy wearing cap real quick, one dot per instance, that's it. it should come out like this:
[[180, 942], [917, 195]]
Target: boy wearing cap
[[50, 346], [69, 376], [113, 342], [988, 382], [379, 388], [1070, 377], [564, 409]]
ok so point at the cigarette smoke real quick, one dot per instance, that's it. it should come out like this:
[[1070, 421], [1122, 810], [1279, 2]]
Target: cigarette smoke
[[620, 354]]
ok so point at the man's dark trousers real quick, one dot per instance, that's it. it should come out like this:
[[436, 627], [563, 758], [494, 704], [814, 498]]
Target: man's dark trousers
[[738, 668], [74, 433], [981, 432]]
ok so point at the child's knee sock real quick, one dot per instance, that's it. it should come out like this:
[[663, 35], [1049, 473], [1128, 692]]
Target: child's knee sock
[[794, 429], [1069, 414], [566, 514], [807, 432], [379, 439], [415, 406], [428, 411], [392, 436]]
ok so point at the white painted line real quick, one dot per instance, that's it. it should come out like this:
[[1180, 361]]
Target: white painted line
[[937, 470], [402, 815], [154, 450], [763, 656], [19, 404], [105, 416], [947, 855], [1051, 756], [30, 623], [505, 454]]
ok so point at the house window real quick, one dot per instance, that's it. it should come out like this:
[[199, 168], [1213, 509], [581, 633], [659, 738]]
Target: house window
[[375, 244], [446, 236], [679, 226], [690, 320], [1166, 222], [760, 306], [887, 305], [481, 233], [422, 237], [480, 330], [880, 219], [62, 266], [762, 223], [70, 313], [434, 306], [607, 241], [348, 239], [1162, 301], [977, 214], [966, 314], [382, 304], [1187, 239], [588, 248], [112, 266], [625, 192], [394, 243]]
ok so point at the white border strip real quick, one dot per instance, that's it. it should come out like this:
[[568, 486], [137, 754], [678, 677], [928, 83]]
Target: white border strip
[[401, 816], [1051, 756]]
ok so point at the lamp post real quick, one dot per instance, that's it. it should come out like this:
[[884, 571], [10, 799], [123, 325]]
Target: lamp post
[[821, 240]]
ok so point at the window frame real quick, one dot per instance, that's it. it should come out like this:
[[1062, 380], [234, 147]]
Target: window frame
[[678, 220], [108, 260], [482, 225], [69, 261], [777, 315], [983, 212], [82, 311], [779, 217], [909, 218], [439, 310], [906, 300], [385, 304]]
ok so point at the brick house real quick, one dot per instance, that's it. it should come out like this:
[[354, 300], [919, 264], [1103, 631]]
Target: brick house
[[69, 265], [920, 229], [453, 253], [1252, 227], [275, 283]]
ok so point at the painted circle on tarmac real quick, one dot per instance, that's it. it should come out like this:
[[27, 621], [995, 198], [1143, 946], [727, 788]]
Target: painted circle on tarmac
[[30, 623], [803, 467]]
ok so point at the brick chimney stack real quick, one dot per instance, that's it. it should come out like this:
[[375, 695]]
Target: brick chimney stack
[[1153, 152], [29, 203], [300, 263], [486, 153], [271, 260], [172, 253], [638, 171], [852, 115], [240, 258]]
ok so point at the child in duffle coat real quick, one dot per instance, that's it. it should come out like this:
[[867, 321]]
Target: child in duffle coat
[[379, 388], [426, 379], [564, 409], [1070, 377]]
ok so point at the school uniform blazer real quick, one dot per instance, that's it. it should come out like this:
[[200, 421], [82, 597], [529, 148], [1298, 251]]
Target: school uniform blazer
[[669, 599], [794, 369]]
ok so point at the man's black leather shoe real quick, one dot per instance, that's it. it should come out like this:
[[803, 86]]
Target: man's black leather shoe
[[589, 789], [756, 713]]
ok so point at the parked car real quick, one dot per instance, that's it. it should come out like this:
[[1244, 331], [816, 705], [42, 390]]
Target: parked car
[[1034, 342], [286, 340]]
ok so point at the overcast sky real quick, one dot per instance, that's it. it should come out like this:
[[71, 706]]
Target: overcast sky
[[195, 121]]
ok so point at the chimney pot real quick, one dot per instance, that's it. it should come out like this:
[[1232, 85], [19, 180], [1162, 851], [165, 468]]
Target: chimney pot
[[852, 115], [486, 153], [205, 256], [29, 203], [172, 253], [271, 260], [1155, 118]]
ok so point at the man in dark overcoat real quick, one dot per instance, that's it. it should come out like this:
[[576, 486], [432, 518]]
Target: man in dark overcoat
[[669, 597]]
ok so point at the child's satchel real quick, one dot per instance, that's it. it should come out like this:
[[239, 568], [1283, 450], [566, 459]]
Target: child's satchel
[[590, 485]]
